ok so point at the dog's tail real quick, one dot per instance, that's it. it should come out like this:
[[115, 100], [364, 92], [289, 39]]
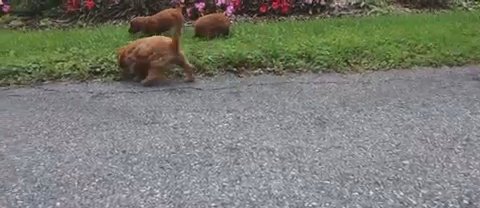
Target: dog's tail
[[178, 29], [121, 56]]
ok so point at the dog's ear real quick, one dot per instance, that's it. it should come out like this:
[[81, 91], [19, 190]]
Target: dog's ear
[[134, 27], [131, 27]]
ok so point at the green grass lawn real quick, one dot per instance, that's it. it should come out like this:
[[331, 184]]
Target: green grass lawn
[[342, 44]]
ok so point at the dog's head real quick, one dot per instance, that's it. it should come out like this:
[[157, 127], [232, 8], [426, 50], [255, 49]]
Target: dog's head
[[136, 25]]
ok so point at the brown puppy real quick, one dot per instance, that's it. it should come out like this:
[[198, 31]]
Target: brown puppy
[[158, 23], [148, 58], [212, 25]]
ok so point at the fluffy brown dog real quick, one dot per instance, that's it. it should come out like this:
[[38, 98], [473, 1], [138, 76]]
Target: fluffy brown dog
[[158, 23], [148, 58], [212, 25]]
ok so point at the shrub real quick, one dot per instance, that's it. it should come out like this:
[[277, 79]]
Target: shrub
[[425, 4], [114, 9], [34, 7], [103, 10]]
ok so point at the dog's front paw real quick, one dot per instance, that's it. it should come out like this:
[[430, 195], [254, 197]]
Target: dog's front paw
[[189, 79], [147, 82]]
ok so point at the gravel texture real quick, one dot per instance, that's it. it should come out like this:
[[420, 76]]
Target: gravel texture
[[406, 138]]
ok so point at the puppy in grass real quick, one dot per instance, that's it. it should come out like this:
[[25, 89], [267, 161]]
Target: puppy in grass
[[147, 59], [211, 26], [158, 23]]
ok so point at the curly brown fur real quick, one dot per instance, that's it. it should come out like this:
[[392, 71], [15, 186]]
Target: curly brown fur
[[147, 59], [212, 25], [158, 23]]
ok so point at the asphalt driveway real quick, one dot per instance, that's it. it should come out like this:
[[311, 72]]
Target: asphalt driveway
[[385, 139]]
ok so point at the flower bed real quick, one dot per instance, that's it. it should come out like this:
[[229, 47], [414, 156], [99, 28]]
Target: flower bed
[[196, 8], [4, 7]]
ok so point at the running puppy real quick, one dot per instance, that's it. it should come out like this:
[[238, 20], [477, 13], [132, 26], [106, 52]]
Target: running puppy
[[158, 23], [147, 59], [212, 25]]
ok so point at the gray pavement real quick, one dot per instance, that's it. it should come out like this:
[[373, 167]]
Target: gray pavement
[[406, 138]]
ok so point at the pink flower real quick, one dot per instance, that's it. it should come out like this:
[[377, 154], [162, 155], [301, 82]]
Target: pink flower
[[263, 8], [230, 10], [220, 2], [73, 5], [6, 8], [236, 4], [285, 7], [89, 4], [275, 4], [200, 6], [189, 12]]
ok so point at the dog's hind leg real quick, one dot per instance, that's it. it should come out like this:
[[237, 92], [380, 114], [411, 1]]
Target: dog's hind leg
[[182, 61], [155, 73], [124, 74], [141, 71], [226, 32]]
